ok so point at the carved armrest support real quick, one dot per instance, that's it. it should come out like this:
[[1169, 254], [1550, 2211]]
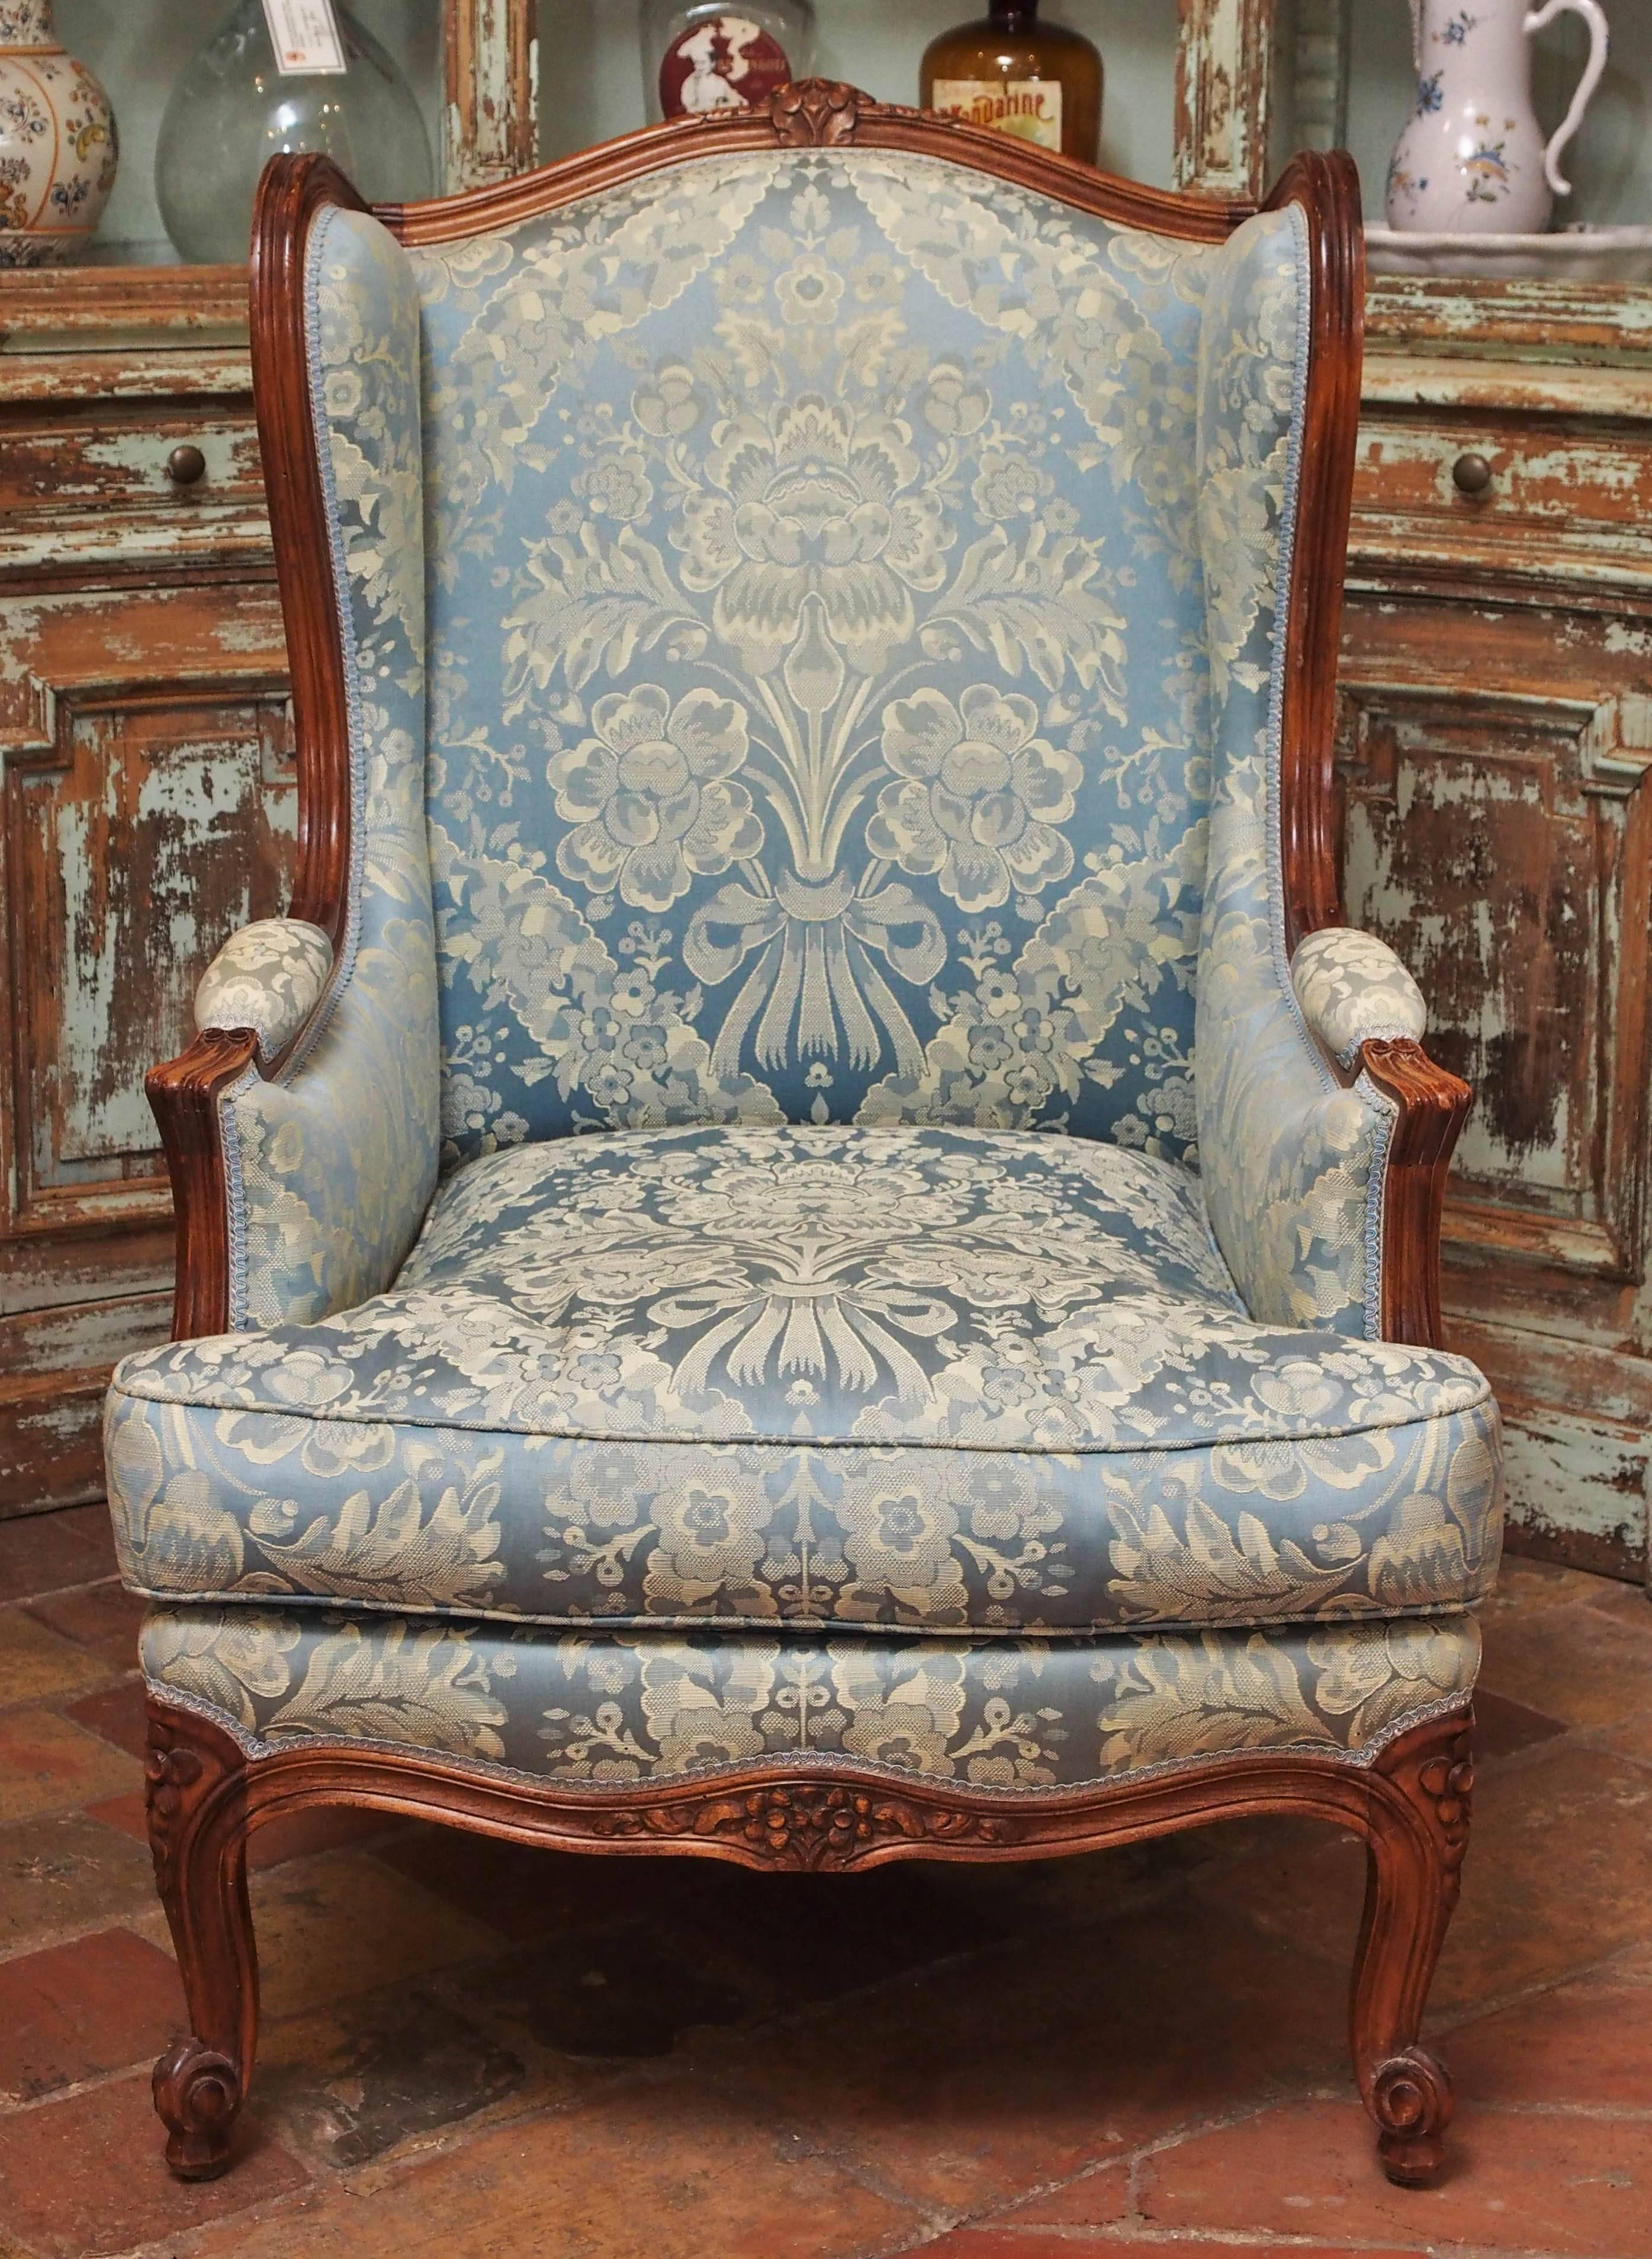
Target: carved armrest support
[[1433, 1106], [184, 1094]]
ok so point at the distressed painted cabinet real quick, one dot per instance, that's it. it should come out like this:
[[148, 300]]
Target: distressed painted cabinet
[[1496, 696], [1495, 756], [145, 774], [1497, 731]]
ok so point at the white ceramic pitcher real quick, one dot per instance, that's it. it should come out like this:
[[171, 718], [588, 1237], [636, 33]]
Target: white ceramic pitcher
[[1471, 159]]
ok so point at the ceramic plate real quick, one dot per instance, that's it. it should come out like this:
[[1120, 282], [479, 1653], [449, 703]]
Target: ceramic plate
[[1586, 255]]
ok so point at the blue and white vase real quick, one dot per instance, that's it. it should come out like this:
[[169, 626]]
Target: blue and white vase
[[58, 144], [1472, 159]]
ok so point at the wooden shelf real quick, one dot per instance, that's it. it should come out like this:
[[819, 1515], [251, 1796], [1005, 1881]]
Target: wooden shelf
[[1587, 323], [50, 310]]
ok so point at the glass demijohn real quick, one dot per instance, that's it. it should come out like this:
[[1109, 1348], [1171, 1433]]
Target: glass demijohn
[[232, 111], [701, 56]]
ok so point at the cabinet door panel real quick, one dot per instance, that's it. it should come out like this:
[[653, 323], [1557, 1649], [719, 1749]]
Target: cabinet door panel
[[1482, 842], [148, 807], [144, 837], [1492, 766]]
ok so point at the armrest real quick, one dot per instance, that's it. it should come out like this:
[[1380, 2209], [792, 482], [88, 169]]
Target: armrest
[[266, 980], [1325, 1189], [1353, 990], [301, 1126], [1361, 1003]]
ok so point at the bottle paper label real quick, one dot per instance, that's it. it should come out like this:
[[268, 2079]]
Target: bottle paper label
[[305, 36], [722, 62], [1027, 107]]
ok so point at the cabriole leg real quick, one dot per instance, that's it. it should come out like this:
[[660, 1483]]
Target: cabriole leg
[[196, 1800], [1417, 1831]]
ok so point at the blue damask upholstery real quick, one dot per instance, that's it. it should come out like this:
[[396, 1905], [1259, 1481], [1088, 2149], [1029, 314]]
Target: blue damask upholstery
[[1293, 1161], [813, 1215], [608, 1707], [333, 1165], [931, 1378], [828, 737]]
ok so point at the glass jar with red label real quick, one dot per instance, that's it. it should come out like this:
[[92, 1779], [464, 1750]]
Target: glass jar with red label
[[702, 56]]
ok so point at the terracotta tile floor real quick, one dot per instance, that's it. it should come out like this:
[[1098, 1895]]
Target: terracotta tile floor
[[471, 2049]]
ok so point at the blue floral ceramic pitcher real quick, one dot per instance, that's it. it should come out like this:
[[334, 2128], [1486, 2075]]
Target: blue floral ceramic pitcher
[[1472, 157]]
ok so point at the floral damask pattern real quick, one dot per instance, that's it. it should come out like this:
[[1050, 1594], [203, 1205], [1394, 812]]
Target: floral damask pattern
[[814, 501], [980, 796], [332, 1166], [818, 657], [268, 977], [648, 795], [1354, 990], [607, 1710], [1292, 1162], [934, 1378]]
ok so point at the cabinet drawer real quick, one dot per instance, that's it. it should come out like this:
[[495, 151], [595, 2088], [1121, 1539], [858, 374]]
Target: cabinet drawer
[[59, 460], [1548, 497], [1537, 471]]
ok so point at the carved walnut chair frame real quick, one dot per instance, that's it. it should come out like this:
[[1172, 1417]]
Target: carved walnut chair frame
[[206, 1793]]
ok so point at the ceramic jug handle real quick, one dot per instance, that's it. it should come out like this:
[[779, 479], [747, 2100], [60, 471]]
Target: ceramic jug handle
[[1590, 12]]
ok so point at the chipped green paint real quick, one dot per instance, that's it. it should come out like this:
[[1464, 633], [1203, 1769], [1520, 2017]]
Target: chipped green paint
[[1497, 736]]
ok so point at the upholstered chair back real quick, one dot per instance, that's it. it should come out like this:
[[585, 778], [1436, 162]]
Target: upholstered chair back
[[838, 564]]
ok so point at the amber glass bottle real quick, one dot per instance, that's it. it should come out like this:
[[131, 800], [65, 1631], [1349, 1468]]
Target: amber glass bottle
[[1021, 76]]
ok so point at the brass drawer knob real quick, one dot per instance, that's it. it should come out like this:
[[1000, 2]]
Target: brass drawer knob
[[186, 465], [1471, 474]]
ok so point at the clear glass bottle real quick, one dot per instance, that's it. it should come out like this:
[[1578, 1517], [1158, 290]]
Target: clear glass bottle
[[702, 55], [231, 110], [1017, 76]]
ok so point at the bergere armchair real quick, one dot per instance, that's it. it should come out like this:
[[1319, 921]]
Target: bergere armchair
[[812, 1246]]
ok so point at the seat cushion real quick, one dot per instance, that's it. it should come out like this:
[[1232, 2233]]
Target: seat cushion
[[932, 1380]]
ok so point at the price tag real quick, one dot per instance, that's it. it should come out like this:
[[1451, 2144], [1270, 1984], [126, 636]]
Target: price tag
[[305, 36]]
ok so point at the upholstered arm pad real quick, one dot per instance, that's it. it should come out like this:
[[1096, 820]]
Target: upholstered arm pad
[[1353, 990], [269, 978]]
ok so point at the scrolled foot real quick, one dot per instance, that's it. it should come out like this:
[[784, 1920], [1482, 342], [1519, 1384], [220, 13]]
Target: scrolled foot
[[198, 2095], [1412, 2101]]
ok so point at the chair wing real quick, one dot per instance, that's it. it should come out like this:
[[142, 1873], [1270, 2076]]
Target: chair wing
[[1297, 1159], [330, 1159], [1292, 1160]]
